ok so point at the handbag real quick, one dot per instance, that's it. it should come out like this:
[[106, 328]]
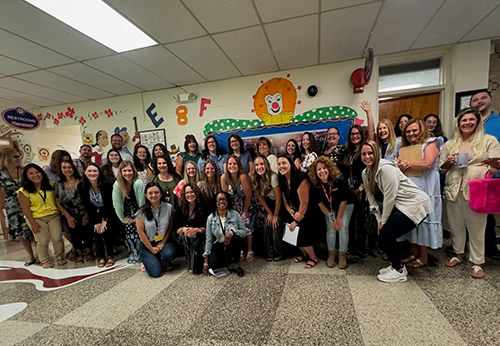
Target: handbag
[[484, 195]]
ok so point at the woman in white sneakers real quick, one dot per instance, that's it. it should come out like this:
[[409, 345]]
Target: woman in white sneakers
[[398, 204]]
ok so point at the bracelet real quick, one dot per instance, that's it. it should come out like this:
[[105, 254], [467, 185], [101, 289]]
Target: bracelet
[[205, 264]]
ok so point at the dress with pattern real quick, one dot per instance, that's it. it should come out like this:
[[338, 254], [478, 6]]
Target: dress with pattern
[[130, 208], [238, 198], [18, 229]]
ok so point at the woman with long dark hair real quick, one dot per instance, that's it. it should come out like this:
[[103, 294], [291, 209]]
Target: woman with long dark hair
[[308, 149], [293, 150], [97, 199], [239, 186], [401, 123], [225, 230], [295, 188], [211, 152], [53, 170], [398, 204], [110, 169], [362, 226], [154, 226], [142, 161], [166, 177], [190, 221], [75, 216], [128, 197], [266, 186], [37, 201]]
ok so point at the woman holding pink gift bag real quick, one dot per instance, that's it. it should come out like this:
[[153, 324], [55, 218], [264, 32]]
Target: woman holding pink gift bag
[[469, 140]]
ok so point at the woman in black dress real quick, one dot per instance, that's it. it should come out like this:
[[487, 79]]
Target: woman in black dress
[[295, 188]]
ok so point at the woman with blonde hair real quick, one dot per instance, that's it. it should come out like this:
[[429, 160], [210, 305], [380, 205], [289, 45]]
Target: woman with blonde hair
[[386, 139], [397, 203], [429, 233], [469, 139], [10, 181], [331, 193], [191, 176], [128, 197]]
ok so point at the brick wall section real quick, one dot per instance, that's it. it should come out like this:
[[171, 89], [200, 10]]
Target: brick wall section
[[494, 76]]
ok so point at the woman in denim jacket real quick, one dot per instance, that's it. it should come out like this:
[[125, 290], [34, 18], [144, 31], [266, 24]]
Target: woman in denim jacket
[[225, 233]]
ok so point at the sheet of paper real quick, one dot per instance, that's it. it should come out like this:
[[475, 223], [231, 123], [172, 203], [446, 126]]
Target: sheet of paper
[[289, 236], [412, 153]]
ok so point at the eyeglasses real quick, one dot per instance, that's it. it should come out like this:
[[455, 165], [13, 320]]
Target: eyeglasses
[[221, 200]]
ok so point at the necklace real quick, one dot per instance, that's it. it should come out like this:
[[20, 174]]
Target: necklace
[[16, 180]]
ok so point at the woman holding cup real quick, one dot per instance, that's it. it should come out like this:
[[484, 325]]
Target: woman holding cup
[[463, 159]]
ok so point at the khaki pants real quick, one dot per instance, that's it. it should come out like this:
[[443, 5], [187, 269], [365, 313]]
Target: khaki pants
[[50, 230], [462, 219]]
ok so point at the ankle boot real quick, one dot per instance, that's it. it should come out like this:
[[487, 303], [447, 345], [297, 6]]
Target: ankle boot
[[330, 262], [342, 260]]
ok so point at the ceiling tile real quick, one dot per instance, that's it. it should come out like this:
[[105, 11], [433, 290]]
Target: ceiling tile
[[294, 41], [205, 57], [40, 27], [248, 50], [336, 4], [90, 76], [283, 9], [57, 82], [166, 65], [38, 90], [488, 27], [222, 15], [166, 21], [340, 39], [8, 103], [453, 21], [129, 72], [20, 49], [9, 66], [401, 21], [26, 98]]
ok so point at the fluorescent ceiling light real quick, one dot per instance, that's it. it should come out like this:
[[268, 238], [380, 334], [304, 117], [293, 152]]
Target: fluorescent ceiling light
[[97, 20]]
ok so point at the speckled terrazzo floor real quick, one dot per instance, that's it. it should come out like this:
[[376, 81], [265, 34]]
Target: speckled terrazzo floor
[[273, 304]]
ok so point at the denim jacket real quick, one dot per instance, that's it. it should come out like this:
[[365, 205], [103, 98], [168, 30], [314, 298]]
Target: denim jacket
[[233, 223]]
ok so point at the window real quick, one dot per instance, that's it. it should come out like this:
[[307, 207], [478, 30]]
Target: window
[[410, 75]]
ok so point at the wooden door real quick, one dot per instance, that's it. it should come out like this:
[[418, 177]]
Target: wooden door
[[418, 106]]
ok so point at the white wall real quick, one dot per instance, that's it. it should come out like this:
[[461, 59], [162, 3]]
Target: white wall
[[466, 68]]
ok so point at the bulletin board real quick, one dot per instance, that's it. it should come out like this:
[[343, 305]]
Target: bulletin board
[[151, 137]]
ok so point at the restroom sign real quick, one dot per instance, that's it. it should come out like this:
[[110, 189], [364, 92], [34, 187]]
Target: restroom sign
[[20, 118]]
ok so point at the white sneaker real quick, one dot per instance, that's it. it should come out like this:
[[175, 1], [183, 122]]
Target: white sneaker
[[388, 269], [393, 276]]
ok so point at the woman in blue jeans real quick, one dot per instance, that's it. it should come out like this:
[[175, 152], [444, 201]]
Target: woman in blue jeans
[[332, 195], [154, 225]]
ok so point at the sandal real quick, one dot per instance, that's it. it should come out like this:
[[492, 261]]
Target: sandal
[[308, 264], [269, 259], [79, 260], [250, 256], [477, 272], [89, 256], [27, 264], [299, 259], [47, 265], [416, 264], [454, 261], [277, 259], [111, 262], [409, 259], [61, 261], [101, 263]]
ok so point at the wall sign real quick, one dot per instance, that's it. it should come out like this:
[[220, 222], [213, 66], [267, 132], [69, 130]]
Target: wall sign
[[20, 118], [150, 137]]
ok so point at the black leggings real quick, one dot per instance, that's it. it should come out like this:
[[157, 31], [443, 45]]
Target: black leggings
[[222, 255], [81, 236], [397, 225], [104, 242]]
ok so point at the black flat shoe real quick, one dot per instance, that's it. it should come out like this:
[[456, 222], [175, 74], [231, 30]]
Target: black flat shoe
[[240, 272]]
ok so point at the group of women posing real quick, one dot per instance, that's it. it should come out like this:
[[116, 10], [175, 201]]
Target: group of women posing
[[218, 209]]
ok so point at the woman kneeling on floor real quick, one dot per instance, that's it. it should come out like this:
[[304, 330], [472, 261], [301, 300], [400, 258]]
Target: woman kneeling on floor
[[154, 225], [399, 205], [225, 233]]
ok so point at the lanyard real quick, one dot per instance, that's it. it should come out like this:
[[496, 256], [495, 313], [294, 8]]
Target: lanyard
[[328, 198], [44, 197], [221, 225], [156, 215]]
